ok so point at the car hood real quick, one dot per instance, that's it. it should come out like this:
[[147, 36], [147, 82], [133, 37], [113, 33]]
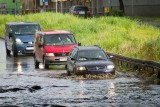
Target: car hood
[[26, 38], [60, 48], [94, 63]]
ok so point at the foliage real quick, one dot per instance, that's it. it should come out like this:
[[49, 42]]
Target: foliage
[[121, 35], [117, 13]]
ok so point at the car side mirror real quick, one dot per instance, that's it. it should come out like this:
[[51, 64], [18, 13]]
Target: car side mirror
[[72, 59], [79, 43]]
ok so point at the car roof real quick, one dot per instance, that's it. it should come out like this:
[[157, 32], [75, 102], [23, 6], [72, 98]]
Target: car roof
[[47, 32], [21, 23], [84, 48]]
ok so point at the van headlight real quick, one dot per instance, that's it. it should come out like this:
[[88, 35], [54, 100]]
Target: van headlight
[[81, 68], [49, 54], [18, 41], [110, 66]]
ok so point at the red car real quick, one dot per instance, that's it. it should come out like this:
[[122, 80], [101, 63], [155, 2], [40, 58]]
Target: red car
[[53, 47]]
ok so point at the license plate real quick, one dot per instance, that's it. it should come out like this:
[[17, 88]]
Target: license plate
[[29, 48], [81, 12], [63, 59]]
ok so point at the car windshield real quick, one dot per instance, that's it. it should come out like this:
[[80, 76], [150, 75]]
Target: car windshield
[[81, 9], [91, 55], [25, 29], [59, 39]]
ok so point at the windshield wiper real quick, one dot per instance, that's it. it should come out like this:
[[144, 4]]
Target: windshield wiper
[[97, 59]]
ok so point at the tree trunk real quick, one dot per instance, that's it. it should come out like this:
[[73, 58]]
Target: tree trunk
[[121, 6]]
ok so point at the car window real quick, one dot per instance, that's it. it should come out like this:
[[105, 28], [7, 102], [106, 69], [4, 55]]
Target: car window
[[81, 9], [59, 39], [25, 29]]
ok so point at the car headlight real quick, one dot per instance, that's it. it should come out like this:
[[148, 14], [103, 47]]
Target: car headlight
[[18, 41], [81, 68], [49, 54], [110, 66]]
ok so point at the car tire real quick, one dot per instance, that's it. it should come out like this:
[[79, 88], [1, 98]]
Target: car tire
[[15, 53], [8, 52], [36, 63], [68, 73], [46, 66]]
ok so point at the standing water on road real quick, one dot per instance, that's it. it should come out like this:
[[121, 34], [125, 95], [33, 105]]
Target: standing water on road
[[23, 85]]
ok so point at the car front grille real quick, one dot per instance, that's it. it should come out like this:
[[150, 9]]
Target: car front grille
[[28, 42], [61, 54], [96, 68]]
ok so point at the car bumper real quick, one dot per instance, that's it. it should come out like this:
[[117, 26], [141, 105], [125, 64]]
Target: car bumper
[[25, 48], [101, 72], [56, 60], [95, 72]]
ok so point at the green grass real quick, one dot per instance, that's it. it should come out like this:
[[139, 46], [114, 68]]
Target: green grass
[[121, 35]]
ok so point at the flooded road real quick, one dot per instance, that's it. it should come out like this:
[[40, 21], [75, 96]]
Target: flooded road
[[22, 85]]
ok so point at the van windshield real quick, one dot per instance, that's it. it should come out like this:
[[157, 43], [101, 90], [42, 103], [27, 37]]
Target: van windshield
[[59, 39], [25, 29]]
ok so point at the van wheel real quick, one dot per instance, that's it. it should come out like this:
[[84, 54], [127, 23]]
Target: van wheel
[[68, 72], [46, 66], [8, 52], [15, 53], [36, 63]]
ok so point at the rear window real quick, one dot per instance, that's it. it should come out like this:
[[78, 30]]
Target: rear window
[[81, 9]]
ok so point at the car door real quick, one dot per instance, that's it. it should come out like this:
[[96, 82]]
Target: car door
[[9, 37], [72, 60], [38, 48]]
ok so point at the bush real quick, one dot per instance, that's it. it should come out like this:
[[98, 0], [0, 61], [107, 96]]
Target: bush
[[117, 13]]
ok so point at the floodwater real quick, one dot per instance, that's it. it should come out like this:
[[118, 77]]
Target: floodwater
[[22, 85]]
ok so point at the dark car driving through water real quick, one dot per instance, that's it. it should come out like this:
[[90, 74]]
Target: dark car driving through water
[[89, 60]]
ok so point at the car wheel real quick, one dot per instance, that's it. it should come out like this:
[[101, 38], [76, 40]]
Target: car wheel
[[74, 71], [36, 63], [8, 52], [46, 66], [15, 53], [68, 73], [65, 66]]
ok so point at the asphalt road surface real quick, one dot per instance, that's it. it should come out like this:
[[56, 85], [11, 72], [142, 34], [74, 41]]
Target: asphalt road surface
[[22, 85]]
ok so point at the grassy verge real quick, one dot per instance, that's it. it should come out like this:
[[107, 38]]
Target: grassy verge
[[121, 35]]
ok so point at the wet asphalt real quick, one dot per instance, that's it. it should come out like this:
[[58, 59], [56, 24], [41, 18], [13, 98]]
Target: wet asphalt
[[21, 85]]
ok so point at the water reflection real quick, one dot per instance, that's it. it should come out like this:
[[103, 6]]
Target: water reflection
[[19, 68], [111, 90], [20, 64], [82, 89]]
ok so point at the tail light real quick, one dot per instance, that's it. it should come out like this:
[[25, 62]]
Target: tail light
[[74, 12], [88, 13]]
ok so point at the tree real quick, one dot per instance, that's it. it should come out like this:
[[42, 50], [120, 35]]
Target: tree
[[121, 6]]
